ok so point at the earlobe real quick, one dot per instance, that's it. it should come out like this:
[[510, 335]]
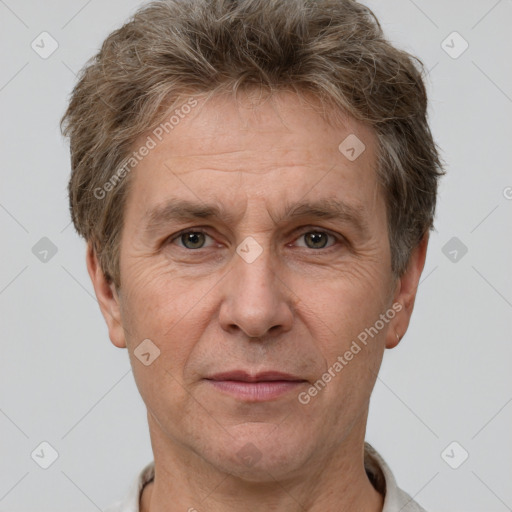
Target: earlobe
[[405, 293], [108, 298]]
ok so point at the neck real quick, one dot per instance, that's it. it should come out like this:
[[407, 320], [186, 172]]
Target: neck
[[189, 483]]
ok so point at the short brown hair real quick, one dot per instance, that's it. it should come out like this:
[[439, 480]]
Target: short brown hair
[[171, 49]]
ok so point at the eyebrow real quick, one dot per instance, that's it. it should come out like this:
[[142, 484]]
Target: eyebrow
[[184, 210]]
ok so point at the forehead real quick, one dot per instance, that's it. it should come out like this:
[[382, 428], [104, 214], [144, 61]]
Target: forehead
[[279, 150], [285, 123]]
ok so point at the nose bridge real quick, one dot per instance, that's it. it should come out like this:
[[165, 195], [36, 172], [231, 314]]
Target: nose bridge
[[254, 275], [255, 300]]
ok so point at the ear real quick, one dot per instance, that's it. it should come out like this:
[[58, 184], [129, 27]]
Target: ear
[[405, 293], [108, 298]]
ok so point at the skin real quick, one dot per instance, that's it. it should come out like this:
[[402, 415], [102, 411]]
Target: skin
[[295, 309]]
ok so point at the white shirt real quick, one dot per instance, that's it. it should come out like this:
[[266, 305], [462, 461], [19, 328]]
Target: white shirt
[[395, 500]]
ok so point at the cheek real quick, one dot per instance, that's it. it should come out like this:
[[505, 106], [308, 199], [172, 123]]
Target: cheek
[[349, 300], [344, 309], [161, 310], [170, 311], [148, 310], [155, 295]]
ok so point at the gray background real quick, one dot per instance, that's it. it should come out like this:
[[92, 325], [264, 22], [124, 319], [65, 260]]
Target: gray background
[[61, 380]]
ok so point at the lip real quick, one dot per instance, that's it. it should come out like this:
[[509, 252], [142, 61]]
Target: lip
[[259, 387], [244, 376]]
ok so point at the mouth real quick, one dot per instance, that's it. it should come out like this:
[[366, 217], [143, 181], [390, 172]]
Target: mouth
[[259, 387]]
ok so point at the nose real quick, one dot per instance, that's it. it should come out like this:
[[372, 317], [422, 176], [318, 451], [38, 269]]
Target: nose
[[256, 301]]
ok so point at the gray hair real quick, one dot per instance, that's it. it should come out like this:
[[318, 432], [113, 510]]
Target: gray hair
[[171, 49]]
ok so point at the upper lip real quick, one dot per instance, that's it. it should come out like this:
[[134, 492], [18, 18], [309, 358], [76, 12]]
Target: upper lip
[[242, 375]]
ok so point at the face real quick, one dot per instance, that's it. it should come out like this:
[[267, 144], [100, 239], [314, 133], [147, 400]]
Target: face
[[254, 247]]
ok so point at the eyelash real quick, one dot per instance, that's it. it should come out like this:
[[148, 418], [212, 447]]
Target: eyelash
[[337, 238]]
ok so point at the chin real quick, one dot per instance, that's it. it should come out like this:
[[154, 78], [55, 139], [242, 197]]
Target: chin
[[280, 467], [259, 452]]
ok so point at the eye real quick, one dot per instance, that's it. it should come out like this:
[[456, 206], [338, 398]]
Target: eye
[[317, 239], [191, 239], [197, 239]]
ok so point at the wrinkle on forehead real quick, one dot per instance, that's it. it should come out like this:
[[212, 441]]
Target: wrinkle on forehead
[[292, 151]]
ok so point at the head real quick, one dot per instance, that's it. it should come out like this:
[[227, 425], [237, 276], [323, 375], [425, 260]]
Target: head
[[256, 182]]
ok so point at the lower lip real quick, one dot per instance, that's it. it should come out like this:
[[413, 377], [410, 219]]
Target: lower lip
[[256, 391]]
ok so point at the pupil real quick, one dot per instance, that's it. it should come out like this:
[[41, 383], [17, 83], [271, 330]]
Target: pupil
[[193, 240], [316, 239]]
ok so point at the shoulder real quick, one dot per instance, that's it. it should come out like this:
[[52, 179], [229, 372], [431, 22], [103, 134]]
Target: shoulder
[[382, 478], [131, 501]]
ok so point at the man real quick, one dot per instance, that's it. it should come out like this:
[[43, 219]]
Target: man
[[256, 181]]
